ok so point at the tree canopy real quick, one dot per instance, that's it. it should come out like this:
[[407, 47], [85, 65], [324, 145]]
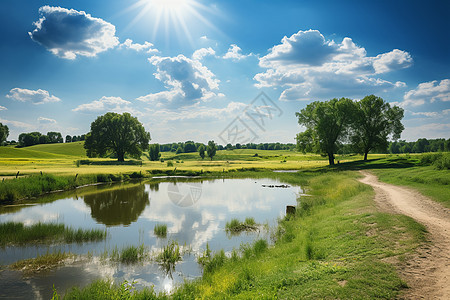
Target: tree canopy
[[201, 151], [4, 132], [375, 121], [327, 124], [367, 124], [211, 149], [117, 134]]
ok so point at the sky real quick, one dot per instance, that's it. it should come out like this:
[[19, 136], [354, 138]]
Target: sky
[[229, 71]]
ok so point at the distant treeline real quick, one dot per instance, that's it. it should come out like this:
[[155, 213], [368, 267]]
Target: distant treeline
[[190, 146], [36, 138], [419, 146]]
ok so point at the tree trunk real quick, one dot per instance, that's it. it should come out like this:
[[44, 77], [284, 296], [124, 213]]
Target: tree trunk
[[365, 155], [331, 158], [121, 156]]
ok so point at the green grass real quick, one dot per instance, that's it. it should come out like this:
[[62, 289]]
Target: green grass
[[71, 149], [41, 262], [160, 230], [12, 233], [129, 254], [170, 255], [8, 152], [235, 226]]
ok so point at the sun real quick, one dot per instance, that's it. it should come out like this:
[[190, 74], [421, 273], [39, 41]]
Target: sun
[[172, 16]]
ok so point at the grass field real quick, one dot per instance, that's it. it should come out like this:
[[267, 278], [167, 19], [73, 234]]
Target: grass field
[[61, 159]]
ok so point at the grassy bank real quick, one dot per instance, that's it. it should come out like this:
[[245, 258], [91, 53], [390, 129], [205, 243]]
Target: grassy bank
[[336, 246], [12, 233]]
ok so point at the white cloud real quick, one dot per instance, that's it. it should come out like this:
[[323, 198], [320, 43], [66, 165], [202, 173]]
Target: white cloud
[[308, 66], [42, 120], [17, 124], [432, 114], [34, 96], [431, 131], [199, 112], [147, 46], [68, 33], [200, 53], [235, 53], [104, 104], [3, 108], [427, 92], [204, 38], [187, 80]]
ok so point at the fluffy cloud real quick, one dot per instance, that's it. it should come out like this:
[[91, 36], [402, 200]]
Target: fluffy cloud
[[235, 53], [3, 108], [68, 33], [307, 66], [114, 104], [17, 124], [431, 131], [42, 120], [33, 96], [200, 53], [187, 80], [200, 112], [147, 46], [432, 114], [427, 92]]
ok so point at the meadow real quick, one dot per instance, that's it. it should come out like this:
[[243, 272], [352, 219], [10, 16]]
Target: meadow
[[337, 245]]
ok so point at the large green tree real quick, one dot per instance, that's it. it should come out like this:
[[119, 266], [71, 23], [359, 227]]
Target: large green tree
[[211, 149], [117, 134], [201, 151], [153, 152], [327, 124], [4, 132], [375, 121]]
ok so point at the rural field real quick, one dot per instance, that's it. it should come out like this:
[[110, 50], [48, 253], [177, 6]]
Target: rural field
[[342, 241]]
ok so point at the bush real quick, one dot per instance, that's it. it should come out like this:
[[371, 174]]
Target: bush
[[170, 163]]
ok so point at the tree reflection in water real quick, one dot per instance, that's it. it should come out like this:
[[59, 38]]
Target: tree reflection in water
[[118, 207]]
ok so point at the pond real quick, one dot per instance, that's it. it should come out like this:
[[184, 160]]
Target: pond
[[195, 212]]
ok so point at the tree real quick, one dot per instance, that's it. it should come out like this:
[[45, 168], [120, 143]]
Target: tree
[[201, 151], [68, 139], [4, 132], [328, 123], [375, 121], [179, 150], [189, 146], [55, 137], [211, 149], [153, 152], [43, 139], [117, 134], [29, 139]]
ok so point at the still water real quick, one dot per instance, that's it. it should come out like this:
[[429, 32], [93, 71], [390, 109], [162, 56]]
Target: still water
[[195, 212]]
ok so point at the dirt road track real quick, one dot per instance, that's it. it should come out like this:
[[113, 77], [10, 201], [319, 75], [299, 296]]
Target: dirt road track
[[428, 272]]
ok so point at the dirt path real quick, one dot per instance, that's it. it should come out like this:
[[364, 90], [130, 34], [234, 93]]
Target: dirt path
[[428, 272]]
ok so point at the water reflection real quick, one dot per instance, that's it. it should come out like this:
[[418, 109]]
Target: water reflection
[[118, 207], [131, 211]]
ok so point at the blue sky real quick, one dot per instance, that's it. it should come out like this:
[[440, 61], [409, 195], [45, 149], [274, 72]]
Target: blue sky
[[190, 69]]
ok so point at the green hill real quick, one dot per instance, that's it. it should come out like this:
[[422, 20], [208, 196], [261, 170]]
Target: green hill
[[10, 152], [49, 151], [68, 149]]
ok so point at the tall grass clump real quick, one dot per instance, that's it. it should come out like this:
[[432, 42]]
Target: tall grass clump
[[12, 233], [83, 235], [129, 254], [170, 255], [235, 226], [106, 290], [41, 262], [160, 230]]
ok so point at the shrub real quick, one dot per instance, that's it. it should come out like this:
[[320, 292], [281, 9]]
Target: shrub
[[160, 230]]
